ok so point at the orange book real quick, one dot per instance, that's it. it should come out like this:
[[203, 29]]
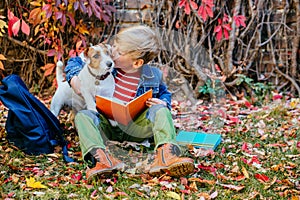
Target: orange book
[[120, 112]]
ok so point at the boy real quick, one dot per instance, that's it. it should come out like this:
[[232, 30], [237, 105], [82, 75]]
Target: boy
[[133, 48]]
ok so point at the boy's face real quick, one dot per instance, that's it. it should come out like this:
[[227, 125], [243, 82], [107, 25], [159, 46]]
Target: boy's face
[[123, 60]]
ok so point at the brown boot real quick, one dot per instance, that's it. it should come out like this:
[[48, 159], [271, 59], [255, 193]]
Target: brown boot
[[105, 164], [167, 160]]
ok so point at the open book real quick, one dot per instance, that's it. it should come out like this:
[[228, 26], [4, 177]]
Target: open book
[[120, 112], [199, 139]]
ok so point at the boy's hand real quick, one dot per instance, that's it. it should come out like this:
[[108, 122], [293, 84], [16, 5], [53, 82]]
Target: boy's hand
[[154, 101], [75, 84]]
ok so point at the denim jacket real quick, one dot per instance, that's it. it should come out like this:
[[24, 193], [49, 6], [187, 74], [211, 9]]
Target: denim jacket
[[151, 78]]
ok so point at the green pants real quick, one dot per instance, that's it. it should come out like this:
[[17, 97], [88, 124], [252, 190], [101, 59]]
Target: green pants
[[94, 129]]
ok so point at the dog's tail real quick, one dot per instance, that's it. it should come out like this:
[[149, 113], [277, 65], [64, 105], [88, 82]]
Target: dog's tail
[[59, 72]]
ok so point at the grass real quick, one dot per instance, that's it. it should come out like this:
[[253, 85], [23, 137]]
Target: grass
[[257, 159]]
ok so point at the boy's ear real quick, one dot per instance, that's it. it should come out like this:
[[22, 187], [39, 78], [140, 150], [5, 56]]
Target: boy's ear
[[138, 63]]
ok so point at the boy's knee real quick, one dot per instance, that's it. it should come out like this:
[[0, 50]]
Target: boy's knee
[[156, 109], [87, 114]]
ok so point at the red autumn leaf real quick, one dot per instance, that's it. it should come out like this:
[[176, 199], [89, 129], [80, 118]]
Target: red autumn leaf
[[25, 28], [218, 30], [217, 68], [245, 160], [222, 28], [239, 20], [12, 20], [186, 5], [254, 159], [233, 119], [248, 104], [10, 15], [226, 34], [219, 36], [201, 12], [51, 52], [277, 96], [256, 145], [185, 191], [225, 18], [63, 20], [226, 27], [206, 9], [208, 168], [16, 27], [239, 178], [58, 14], [77, 177], [209, 3], [59, 55], [182, 3], [262, 177], [223, 150], [48, 9], [245, 147], [72, 53], [11, 194]]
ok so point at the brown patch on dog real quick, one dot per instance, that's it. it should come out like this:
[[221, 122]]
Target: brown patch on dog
[[95, 58]]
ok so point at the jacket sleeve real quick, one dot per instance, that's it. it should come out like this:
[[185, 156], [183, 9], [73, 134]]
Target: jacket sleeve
[[165, 94], [74, 66]]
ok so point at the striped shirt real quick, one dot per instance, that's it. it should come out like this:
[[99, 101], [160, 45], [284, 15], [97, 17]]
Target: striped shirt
[[126, 85]]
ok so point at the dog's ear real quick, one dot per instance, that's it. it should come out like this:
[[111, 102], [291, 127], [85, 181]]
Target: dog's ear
[[106, 47], [86, 51]]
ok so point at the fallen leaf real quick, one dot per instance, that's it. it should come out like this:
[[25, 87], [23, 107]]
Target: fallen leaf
[[214, 195], [34, 184], [262, 177], [270, 184], [296, 197], [203, 194], [245, 172], [232, 187], [210, 182], [173, 195], [109, 189]]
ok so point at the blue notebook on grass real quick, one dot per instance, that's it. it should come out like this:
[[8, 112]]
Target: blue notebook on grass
[[199, 139]]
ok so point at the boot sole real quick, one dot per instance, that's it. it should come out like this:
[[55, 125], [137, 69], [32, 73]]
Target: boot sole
[[176, 170], [105, 173]]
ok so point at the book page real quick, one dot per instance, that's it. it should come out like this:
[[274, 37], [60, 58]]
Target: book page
[[138, 104], [120, 112], [110, 108]]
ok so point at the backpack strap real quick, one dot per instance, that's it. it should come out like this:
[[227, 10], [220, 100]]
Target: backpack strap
[[65, 153]]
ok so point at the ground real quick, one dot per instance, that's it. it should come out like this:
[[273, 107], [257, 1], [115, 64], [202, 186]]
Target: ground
[[258, 158]]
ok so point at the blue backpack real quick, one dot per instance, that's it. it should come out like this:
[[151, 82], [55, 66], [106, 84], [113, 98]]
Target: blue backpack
[[30, 125]]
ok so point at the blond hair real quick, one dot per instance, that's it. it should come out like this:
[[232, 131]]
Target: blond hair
[[140, 42]]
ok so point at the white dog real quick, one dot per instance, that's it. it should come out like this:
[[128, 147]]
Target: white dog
[[95, 79]]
